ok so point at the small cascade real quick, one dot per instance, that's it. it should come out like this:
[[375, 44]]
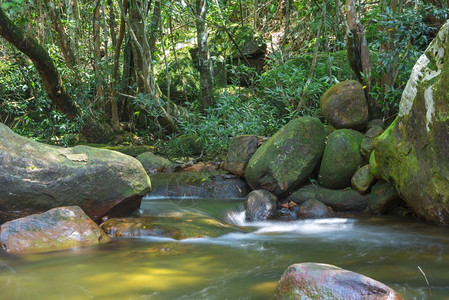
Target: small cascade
[[237, 218]]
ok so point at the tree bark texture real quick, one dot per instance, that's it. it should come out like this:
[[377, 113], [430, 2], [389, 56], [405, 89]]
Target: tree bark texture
[[204, 62], [358, 56]]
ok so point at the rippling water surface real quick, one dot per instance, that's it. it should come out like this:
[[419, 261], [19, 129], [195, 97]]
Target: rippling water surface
[[245, 264]]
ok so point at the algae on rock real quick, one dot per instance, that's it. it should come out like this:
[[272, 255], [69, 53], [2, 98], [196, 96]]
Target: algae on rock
[[413, 152]]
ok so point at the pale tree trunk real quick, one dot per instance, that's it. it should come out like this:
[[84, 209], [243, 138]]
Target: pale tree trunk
[[142, 55], [155, 25], [97, 56], [117, 43], [204, 62], [358, 56], [93, 130]]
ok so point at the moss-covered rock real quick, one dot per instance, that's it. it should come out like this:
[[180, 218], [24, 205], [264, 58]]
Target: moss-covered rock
[[367, 146], [240, 150], [413, 152], [346, 200], [287, 159], [314, 281], [57, 229], [344, 105], [362, 179], [153, 163], [39, 176], [373, 168], [383, 198], [341, 158]]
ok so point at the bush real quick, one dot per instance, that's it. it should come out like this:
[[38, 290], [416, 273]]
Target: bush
[[231, 116]]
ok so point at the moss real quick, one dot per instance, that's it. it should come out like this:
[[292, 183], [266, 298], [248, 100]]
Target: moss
[[373, 167]]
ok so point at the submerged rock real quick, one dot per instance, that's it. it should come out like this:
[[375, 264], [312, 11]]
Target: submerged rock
[[344, 105], [413, 152], [260, 205], [346, 200], [314, 209], [198, 185], [288, 158], [57, 229], [178, 226], [39, 176], [341, 158], [322, 281], [241, 149]]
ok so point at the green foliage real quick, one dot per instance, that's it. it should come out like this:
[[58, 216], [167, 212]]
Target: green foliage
[[408, 33], [231, 116], [282, 85]]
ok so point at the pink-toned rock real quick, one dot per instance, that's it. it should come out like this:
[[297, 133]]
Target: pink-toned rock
[[322, 281], [57, 229], [202, 167]]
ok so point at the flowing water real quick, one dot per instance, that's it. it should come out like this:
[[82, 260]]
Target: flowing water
[[243, 264]]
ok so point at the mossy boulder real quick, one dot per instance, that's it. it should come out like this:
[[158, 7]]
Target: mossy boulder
[[367, 145], [347, 200], [341, 158], [39, 176], [362, 179], [153, 163], [57, 229], [322, 281], [383, 198], [286, 160], [240, 150], [413, 152], [260, 205], [344, 105]]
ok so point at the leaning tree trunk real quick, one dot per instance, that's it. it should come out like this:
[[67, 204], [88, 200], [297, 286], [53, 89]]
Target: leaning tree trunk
[[53, 85], [204, 62]]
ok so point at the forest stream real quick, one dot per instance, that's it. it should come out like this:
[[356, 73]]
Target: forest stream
[[245, 263]]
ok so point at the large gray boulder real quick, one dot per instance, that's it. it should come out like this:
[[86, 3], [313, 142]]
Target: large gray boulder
[[341, 158], [413, 152], [39, 176], [321, 281], [57, 229], [288, 158]]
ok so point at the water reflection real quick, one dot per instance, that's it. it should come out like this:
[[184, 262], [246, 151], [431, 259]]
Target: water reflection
[[244, 264]]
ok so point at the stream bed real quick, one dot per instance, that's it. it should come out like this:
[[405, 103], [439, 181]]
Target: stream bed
[[243, 264]]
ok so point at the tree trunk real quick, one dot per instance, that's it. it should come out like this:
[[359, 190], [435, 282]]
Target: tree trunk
[[97, 56], [92, 129], [358, 56], [155, 25], [204, 62]]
